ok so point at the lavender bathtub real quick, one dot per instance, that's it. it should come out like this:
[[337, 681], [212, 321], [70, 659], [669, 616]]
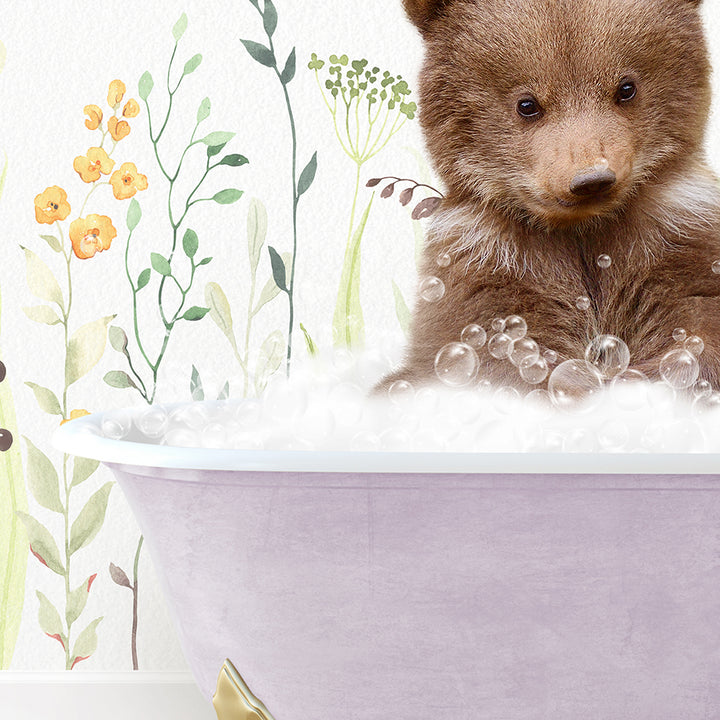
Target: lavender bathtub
[[483, 586]]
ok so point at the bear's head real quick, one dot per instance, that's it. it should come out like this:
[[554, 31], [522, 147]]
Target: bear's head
[[558, 111]]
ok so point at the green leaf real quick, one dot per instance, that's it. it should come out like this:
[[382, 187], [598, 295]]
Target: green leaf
[[46, 399], [40, 280], [42, 544], [42, 314], [83, 468], [119, 379], [49, 617], [348, 325], [259, 53], [224, 394], [143, 278], [190, 243], [180, 27], [288, 72], [53, 242], [145, 85], [215, 149], [309, 344], [86, 644], [234, 160], [118, 339], [220, 311], [90, 519], [195, 313], [196, 388], [204, 261], [307, 175], [271, 290], [42, 478], [85, 349], [270, 357], [256, 232], [192, 64], [134, 214], [270, 18], [204, 110], [401, 310], [218, 138], [160, 264], [278, 269], [77, 600], [227, 197]]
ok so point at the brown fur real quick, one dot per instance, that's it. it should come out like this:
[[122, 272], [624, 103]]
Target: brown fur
[[520, 241]]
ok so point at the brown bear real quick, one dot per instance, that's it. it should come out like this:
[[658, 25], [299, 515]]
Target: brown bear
[[566, 131]]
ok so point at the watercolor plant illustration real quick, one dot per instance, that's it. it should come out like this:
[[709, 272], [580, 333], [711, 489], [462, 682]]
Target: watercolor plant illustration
[[86, 236], [265, 55], [368, 109], [172, 289]]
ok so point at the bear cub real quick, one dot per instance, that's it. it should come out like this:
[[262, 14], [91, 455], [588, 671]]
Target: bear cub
[[569, 138]]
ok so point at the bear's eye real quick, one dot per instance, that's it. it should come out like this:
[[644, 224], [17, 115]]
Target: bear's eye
[[626, 91], [529, 107]]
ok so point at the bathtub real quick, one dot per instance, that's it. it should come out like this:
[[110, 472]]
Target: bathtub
[[412, 586]]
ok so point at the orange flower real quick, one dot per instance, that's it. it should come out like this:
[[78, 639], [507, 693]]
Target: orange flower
[[131, 109], [127, 181], [115, 93], [51, 205], [118, 128], [74, 415], [91, 165], [92, 234], [95, 115]]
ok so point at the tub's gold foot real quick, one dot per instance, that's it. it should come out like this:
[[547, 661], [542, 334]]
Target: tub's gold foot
[[233, 699]]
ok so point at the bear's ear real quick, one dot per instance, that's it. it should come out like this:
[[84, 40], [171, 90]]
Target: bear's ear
[[421, 12]]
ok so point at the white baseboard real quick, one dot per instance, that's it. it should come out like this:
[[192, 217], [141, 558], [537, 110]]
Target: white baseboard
[[102, 696]]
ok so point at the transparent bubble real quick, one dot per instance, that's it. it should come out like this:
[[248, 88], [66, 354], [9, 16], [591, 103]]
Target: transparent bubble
[[247, 441], [515, 327], [604, 261], [524, 349], [709, 404], [653, 437], [194, 415], [248, 413], [575, 384], [613, 435], [631, 389], [661, 396], [116, 426], [609, 355], [500, 346], [427, 400], [679, 334], [182, 437], [431, 289], [702, 389], [716, 267], [580, 440], [695, 345], [498, 325], [456, 364], [365, 441], [444, 259], [153, 421], [539, 403], [396, 439], [317, 426], [343, 361], [583, 303], [474, 336], [468, 406], [213, 435], [506, 400], [401, 391], [679, 369], [684, 436], [550, 356], [283, 400], [534, 370], [371, 366]]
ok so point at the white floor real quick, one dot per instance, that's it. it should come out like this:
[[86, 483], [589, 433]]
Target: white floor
[[101, 696]]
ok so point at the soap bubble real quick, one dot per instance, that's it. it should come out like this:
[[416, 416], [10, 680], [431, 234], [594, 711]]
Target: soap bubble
[[153, 421], [631, 389], [396, 439], [534, 370], [500, 346], [524, 349], [695, 345], [679, 334], [427, 400], [661, 397], [343, 361], [515, 327], [213, 435], [181, 437], [575, 384], [604, 261], [365, 441], [498, 325], [579, 440], [613, 435], [247, 441], [116, 426], [432, 289], [474, 336], [705, 404], [194, 415], [506, 400], [401, 391], [456, 364], [716, 267], [609, 355], [539, 403], [679, 369], [469, 406], [550, 356], [444, 259], [583, 303], [248, 413]]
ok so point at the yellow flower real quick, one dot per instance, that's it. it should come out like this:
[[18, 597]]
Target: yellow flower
[[115, 93], [131, 109], [74, 415], [51, 205], [118, 128], [91, 165], [91, 234], [95, 115], [127, 181]]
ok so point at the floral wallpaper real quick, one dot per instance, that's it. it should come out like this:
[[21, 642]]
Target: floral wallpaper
[[195, 195]]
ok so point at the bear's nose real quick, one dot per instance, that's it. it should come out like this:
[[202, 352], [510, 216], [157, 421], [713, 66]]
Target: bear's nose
[[592, 181]]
